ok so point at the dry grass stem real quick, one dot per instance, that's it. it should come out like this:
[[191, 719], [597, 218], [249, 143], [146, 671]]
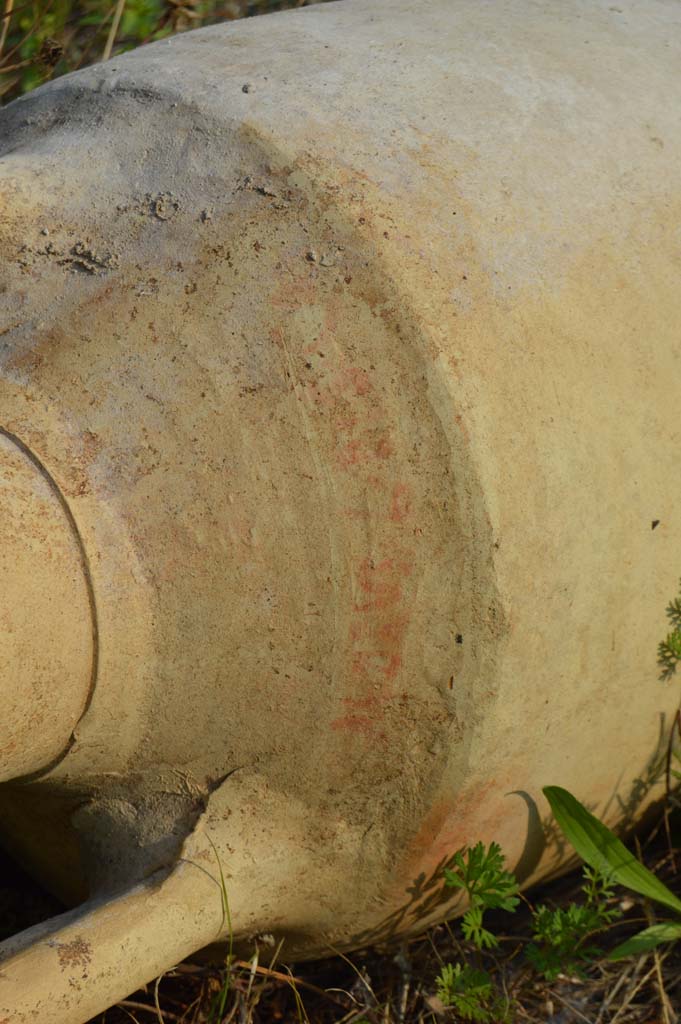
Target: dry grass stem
[[113, 31], [9, 7], [131, 1004]]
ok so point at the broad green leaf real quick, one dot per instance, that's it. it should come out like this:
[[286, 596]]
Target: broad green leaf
[[646, 940], [599, 847]]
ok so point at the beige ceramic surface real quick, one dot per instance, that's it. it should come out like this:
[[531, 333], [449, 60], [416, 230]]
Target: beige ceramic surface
[[46, 656], [354, 396]]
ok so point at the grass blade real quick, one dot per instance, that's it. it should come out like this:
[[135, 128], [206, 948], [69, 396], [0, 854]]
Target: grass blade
[[599, 847], [649, 938]]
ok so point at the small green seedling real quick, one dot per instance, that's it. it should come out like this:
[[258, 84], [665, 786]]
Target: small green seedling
[[470, 993], [480, 872], [603, 851], [562, 936], [669, 650]]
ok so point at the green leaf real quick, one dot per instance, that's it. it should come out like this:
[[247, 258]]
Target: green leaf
[[473, 930], [674, 610], [646, 940], [481, 873], [468, 991], [599, 847]]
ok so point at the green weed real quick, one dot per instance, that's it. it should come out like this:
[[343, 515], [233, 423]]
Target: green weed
[[470, 992], [599, 847], [481, 874], [561, 936], [669, 650]]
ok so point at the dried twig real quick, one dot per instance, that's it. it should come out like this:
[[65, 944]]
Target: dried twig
[[633, 991], [156, 1002], [570, 1006], [111, 38], [15, 67], [280, 976], [17, 46], [130, 1004], [9, 7], [668, 1015], [610, 997]]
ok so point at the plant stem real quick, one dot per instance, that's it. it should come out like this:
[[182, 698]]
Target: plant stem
[[111, 39]]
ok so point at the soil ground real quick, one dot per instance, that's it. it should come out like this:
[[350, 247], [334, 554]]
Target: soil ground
[[397, 985]]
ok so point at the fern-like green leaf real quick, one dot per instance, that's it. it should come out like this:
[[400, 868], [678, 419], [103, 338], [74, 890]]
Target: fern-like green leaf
[[674, 610]]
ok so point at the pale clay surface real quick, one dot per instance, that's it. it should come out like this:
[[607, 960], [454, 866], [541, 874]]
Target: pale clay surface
[[299, 384]]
